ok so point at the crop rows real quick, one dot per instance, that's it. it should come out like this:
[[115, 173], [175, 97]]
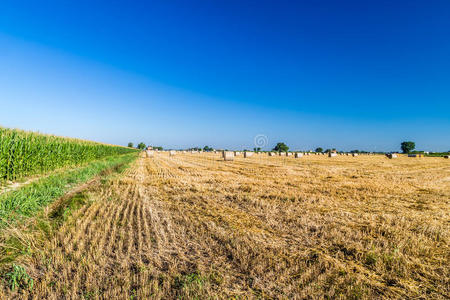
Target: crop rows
[[27, 153], [197, 227]]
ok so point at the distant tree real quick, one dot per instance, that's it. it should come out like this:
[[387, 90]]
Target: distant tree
[[281, 147], [130, 144], [407, 146], [355, 151], [207, 149], [319, 149], [257, 149], [141, 146], [158, 148]]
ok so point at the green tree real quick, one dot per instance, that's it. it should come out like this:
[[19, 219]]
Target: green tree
[[407, 146], [281, 147], [130, 144], [319, 149], [141, 146], [257, 149], [207, 149]]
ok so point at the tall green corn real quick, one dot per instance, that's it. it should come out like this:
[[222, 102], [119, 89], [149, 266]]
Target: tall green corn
[[27, 153]]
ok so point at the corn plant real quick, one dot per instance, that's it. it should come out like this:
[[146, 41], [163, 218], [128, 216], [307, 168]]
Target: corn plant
[[28, 153]]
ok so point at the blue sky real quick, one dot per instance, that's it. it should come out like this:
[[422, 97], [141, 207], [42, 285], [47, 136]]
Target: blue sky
[[343, 74]]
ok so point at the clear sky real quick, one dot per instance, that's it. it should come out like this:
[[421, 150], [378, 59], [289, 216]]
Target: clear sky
[[343, 74]]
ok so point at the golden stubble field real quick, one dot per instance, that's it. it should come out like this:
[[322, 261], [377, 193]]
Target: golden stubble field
[[194, 226]]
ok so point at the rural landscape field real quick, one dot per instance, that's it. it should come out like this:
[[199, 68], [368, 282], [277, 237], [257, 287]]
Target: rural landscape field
[[193, 226], [238, 149]]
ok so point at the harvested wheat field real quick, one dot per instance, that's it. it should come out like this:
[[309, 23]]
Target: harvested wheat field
[[195, 226]]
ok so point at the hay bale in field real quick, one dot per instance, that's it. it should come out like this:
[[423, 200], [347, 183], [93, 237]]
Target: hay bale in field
[[237, 153], [354, 154], [248, 154], [172, 152], [271, 154], [416, 155], [298, 155], [332, 154], [150, 153], [446, 156], [289, 154], [391, 155], [227, 155]]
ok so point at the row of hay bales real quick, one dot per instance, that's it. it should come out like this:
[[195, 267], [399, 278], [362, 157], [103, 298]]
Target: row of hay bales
[[229, 155], [151, 153]]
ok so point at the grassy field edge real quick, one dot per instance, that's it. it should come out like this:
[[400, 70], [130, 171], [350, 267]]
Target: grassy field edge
[[17, 205], [40, 208]]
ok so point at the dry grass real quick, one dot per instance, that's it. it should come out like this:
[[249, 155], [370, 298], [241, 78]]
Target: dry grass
[[195, 226]]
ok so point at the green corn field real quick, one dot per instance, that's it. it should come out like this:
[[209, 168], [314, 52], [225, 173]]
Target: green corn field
[[25, 153]]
